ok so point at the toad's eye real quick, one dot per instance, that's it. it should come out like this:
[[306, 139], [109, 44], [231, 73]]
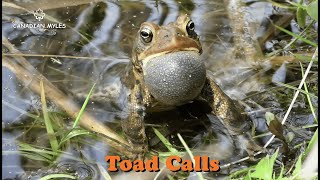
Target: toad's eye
[[146, 35], [190, 27]]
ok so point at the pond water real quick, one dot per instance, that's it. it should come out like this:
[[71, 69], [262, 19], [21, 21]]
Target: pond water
[[99, 37]]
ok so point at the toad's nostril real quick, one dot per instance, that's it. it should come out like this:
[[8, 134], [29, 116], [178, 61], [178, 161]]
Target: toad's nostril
[[178, 34]]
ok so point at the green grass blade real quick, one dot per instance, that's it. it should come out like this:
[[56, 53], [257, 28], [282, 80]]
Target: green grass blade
[[312, 10], [35, 157], [190, 154], [165, 141], [297, 169], [304, 58], [37, 150], [297, 89], [264, 168], [297, 5], [242, 171], [37, 154], [170, 177], [74, 133], [291, 42], [281, 5], [308, 96], [301, 17], [313, 140], [280, 177], [31, 146], [297, 36], [56, 176], [83, 107], [52, 138], [166, 154], [269, 133], [43, 152]]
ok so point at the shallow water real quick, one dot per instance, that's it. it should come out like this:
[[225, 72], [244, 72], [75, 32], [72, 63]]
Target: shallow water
[[105, 31]]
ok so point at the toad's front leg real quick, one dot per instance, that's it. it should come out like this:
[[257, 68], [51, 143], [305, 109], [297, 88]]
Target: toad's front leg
[[133, 125], [231, 114]]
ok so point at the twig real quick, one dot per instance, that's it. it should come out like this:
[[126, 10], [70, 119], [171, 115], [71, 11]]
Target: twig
[[59, 56]]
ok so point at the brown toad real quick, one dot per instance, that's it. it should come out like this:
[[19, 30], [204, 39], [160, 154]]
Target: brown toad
[[167, 72]]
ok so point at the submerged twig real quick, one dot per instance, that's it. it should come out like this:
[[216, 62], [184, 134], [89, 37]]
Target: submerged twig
[[62, 56], [31, 78]]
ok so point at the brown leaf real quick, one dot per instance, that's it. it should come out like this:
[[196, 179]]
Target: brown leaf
[[275, 127]]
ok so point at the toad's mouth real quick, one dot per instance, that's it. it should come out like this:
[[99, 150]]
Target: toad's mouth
[[175, 78]]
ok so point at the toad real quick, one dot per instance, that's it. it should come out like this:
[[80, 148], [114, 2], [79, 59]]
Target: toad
[[166, 71]]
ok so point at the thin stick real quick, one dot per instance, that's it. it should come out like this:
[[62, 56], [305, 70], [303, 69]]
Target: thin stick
[[60, 56]]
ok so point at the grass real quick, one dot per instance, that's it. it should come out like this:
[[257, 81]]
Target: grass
[[174, 152], [308, 96], [78, 132], [52, 138], [294, 129], [297, 36], [190, 154], [291, 43], [164, 155], [39, 154], [170, 147], [264, 169], [76, 122], [297, 89], [49, 155], [311, 144]]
